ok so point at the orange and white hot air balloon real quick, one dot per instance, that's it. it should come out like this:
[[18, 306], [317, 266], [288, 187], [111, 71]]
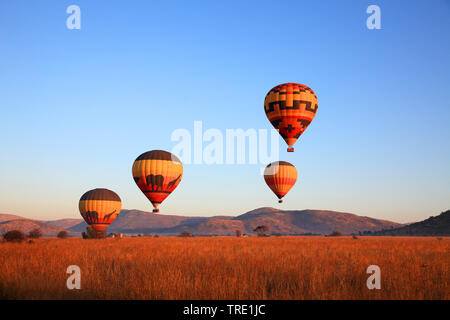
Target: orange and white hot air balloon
[[280, 176], [99, 208], [157, 173]]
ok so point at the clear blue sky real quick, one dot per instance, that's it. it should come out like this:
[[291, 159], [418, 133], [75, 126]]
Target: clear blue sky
[[78, 106]]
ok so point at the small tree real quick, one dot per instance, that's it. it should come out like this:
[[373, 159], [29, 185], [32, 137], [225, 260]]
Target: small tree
[[63, 234], [261, 230], [238, 233], [186, 234], [14, 236], [35, 233]]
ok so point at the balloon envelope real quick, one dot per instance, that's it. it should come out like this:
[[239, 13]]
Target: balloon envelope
[[99, 208], [290, 107], [280, 176], [157, 173]]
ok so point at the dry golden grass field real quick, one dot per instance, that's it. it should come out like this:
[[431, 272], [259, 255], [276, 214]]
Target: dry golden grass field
[[227, 268]]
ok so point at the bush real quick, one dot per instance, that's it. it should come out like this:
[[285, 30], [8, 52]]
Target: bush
[[186, 234], [261, 230], [63, 234], [35, 233], [336, 234], [14, 236], [354, 236]]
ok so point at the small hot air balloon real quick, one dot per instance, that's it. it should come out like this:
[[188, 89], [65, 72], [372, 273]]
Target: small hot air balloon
[[99, 208], [280, 176], [157, 173], [290, 107]]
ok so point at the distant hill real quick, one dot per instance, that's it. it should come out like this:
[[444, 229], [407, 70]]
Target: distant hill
[[26, 225], [279, 222], [433, 226], [64, 223], [214, 226], [284, 222], [311, 221], [8, 217], [136, 221]]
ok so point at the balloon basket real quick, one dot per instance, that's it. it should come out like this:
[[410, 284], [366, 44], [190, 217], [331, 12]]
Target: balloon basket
[[155, 210], [93, 234], [100, 234], [280, 201], [290, 149]]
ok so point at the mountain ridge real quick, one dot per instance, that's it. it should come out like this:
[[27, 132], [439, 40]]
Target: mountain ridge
[[433, 226], [26, 225], [280, 222]]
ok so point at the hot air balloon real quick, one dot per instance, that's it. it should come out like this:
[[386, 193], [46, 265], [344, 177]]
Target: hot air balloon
[[290, 107], [157, 173], [99, 208], [280, 176]]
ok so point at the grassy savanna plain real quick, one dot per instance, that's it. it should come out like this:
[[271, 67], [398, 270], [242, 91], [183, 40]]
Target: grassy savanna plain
[[227, 268]]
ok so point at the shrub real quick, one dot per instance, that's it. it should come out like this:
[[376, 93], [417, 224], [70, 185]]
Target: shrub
[[335, 234], [354, 236], [186, 234], [62, 234], [14, 236], [35, 233], [261, 230]]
